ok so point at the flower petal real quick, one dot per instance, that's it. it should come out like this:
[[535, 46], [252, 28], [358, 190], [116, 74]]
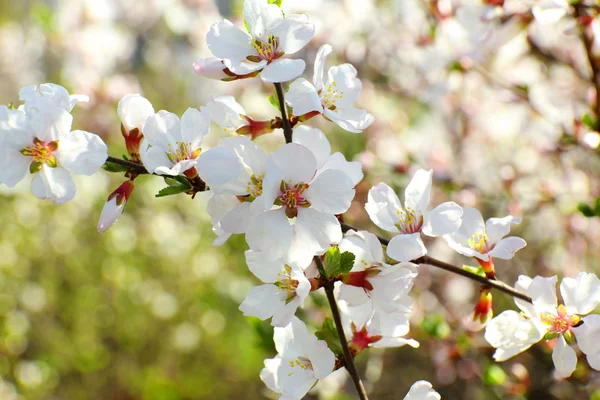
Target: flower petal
[[497, 228], [313, 139], [133, 110], [238, 218], [13, 165], [293, 33], [347, 84], [53, 183], [315, 232], [227, 41], [442, 220], [283, 70], [422, 390], [543, 294], [296, 163], [81, 152], [226, 112], [331, 192], [472, 223], [564, 357], [587, 335], [320, 59], [263, 301], [351, 168], [111, 212], [418, 192], [406, 247], [581, 295], [383, 206], [218, 166], [162, 129], [270, 232], [303, 97], [511, 333], [507, 247], [351, 119], [195, 125]]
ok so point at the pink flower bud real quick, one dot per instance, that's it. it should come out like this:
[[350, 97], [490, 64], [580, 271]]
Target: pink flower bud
[[114, 206]]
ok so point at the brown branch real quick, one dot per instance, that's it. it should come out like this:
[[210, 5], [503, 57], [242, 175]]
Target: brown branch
[[588, 43], [348, 359], [491, 283], [287, 128], [133, 167]]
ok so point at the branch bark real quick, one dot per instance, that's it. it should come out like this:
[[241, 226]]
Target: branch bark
[[133, 167], [287, 128], [588, 43]]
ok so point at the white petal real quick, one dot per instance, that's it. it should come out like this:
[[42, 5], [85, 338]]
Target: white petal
[[351, 119], [460, 248], [218, 166], [252, 155], [543, 294], [442, 220], [261, 16], [297, 164], [354, 296], [364, 245], [497, 228], [293, 34], [270, 232], [581, 295], [162, 129], [507, 247], [210, 67], [550, 11], [322, 359], [153, 157], [587, 334], [422, 390], [383, 206], [263, 301], [314, 231], [238, 219], [176, 169], [303, 97], [194, 126], [406, 247], [351, 168], [52, 124], [320, 59], [53, 183], [227, 41], [225, 111], [418, 192], [522, 285], [110, 214], [269, 374], [564, 357], [313, 139], [346, 83], [13, 166], [133, 110], [472, 223], [283, 70], [511, 333], [331, 192], [263, 268], [81, 152]]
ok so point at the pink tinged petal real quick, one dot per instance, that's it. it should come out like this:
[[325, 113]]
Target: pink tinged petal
[[225, 111], [14, 166], [283, 70], [293, 33], [81, 152], [319, 69], [511, 333], [507, 247], [269, 374], [194, 126], [296, 163], [314, 231], [351, 119], [543, 294], [422, 390], [110, 214], [162, 129], [133, 110], [313, 139], [227, 41], [210, 67], [238, 219], [263, 301], [564, 357], [442, 220], [581, 295], [219, 166], [303, 97], [382, 206], [472, 223], [331, 192], [587, 335], [322, 359], [418, 192], [351, 168], [53, 183], [497, 228], [270, 232], [406, 247]]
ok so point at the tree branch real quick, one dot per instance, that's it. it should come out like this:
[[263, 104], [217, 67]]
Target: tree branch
[[348, 359], [491, 283], [133, 167], [287, 128], [588, 43]]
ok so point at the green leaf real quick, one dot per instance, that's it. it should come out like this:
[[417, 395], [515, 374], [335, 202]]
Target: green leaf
[[177, 181], [337, 263], [586, 210], [276, 2], [329, 334], [172, 190], [177, 184], [112, 167], [588, 121], [474, 270], [494, 375], [274, 102]]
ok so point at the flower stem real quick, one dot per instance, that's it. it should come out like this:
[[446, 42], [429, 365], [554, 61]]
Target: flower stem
[[287, 128], [491, 283], [133, 167], [348, 359]]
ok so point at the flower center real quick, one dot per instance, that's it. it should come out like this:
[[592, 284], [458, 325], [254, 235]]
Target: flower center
[[331, 95], [41, 153], [410, 221], [255, 187], [479, 242], [302, 363], [562, 322], [285, 281], [292, 198], [182, 151], [267, 51]]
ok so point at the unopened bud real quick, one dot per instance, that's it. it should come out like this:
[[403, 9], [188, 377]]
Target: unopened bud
[[488, 267], [482, 312], [212, 68], [133, 111], [255, 129], [114, 206]]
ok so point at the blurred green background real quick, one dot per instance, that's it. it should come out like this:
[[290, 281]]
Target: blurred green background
[[148, 310]]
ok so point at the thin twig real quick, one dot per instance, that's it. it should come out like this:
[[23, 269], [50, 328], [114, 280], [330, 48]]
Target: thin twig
[[133, 167], [348, 359], [287, 128], [492, 283], [588, 42]]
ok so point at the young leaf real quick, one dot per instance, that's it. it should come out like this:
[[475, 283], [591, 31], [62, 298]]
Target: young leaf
[[329, 334], [172, 190], [474, 270], [588, 121], [337, 263], [112, 167], [586, 210]]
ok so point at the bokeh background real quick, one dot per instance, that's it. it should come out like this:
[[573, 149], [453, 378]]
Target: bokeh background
[[148, 310]]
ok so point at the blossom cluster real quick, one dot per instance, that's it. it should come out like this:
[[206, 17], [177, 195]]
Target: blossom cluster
[[289, 204]]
